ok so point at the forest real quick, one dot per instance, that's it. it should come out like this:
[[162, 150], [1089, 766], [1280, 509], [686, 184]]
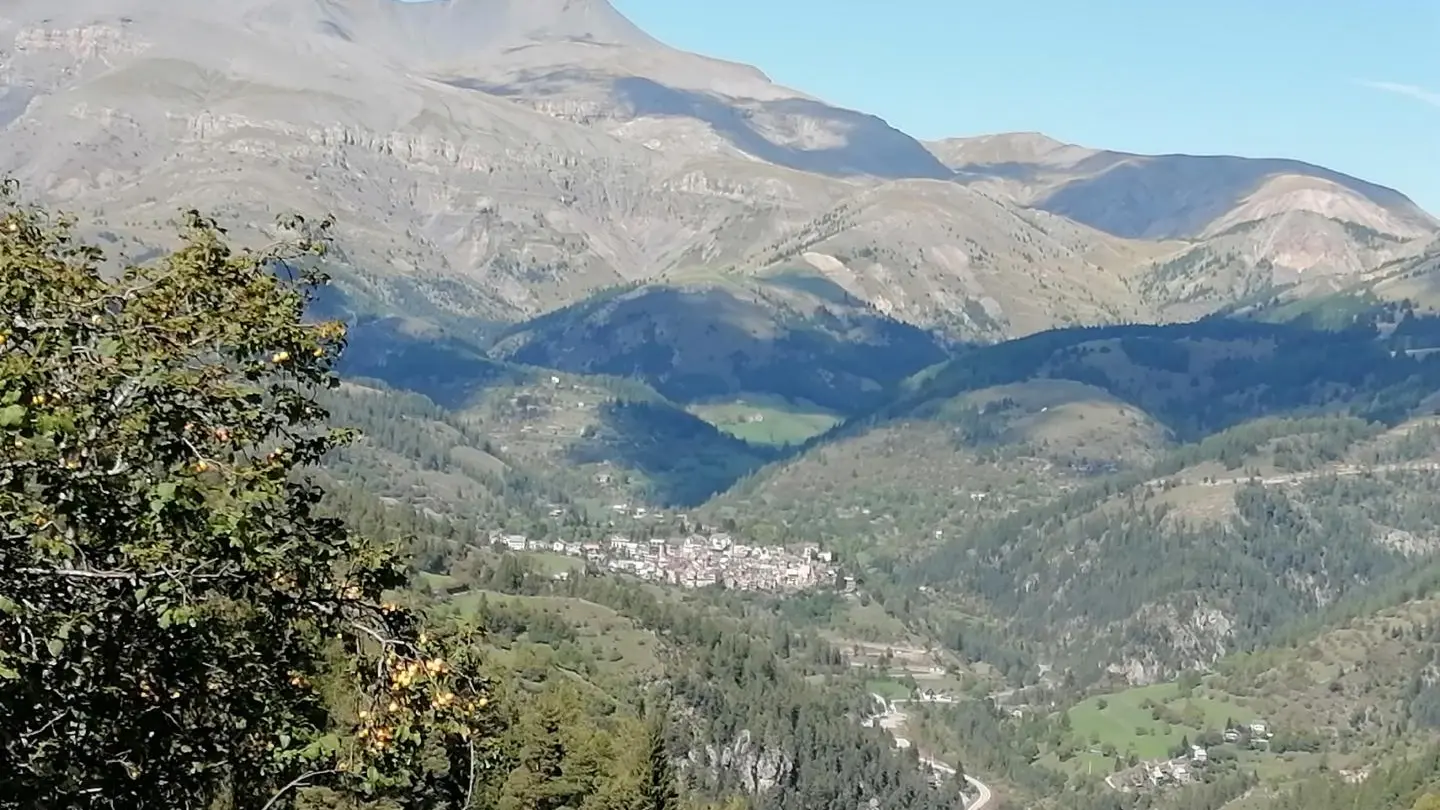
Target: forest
[[199, 612], [230, 578]]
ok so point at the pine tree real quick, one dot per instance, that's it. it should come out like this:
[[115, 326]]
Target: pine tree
[[657, 776]]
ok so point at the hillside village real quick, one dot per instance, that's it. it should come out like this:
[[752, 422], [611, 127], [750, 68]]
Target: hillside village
[[697, 560], [1189, 764]]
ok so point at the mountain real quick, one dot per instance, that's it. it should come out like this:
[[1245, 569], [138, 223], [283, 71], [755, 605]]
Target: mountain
[[1246, 225], [793, 338], [494, 160], [1135, 195], [517, 443], [942, 255], [1130, 500], [489, 202]]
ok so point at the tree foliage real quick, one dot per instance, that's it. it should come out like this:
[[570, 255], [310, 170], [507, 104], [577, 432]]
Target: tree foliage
[[178, 623], [657, 775]]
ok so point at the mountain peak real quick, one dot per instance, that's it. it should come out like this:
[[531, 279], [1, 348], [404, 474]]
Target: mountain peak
[[491, 24], [1008, 148], [421, 33], [435, 32]]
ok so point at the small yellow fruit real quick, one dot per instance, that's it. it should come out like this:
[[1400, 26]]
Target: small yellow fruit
[[38, 399], [280, 357], [201, 466], [319, 352]]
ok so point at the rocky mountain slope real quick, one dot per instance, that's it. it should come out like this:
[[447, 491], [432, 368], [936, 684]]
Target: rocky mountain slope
[[490, 160], [412, 124], [1135, 195], [1246, 225]]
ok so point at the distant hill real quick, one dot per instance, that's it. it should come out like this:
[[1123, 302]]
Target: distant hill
[[1030, 479], [797, 337], [1134, 195], [1248, 225]]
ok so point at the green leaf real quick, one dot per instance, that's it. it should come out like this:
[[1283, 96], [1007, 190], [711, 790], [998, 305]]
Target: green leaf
[[320, 747], [12, 415], [164, 495], [55, 646]]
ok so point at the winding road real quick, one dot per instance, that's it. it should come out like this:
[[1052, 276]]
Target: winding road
[[1342, 471], [893, 719]]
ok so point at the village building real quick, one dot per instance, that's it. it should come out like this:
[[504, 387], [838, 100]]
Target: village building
[[696, 560]]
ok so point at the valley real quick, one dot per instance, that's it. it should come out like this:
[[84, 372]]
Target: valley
[[700, 444]]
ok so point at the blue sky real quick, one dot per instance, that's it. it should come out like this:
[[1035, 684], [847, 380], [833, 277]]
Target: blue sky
[[1349, 85]]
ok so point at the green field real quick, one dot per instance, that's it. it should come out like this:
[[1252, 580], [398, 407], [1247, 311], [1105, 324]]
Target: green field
[[766, 422], [1127, 720], [605, 641], [868, 622], [552, 564], [888, 689]]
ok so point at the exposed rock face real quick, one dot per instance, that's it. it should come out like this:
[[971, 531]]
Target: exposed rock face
[[486, 157], [493, 159], [757, 768]]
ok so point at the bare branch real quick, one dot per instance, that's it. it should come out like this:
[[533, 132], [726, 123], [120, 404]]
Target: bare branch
[[76, 573], [470, 786], [132, 576], [57, 718], [297, 782]]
